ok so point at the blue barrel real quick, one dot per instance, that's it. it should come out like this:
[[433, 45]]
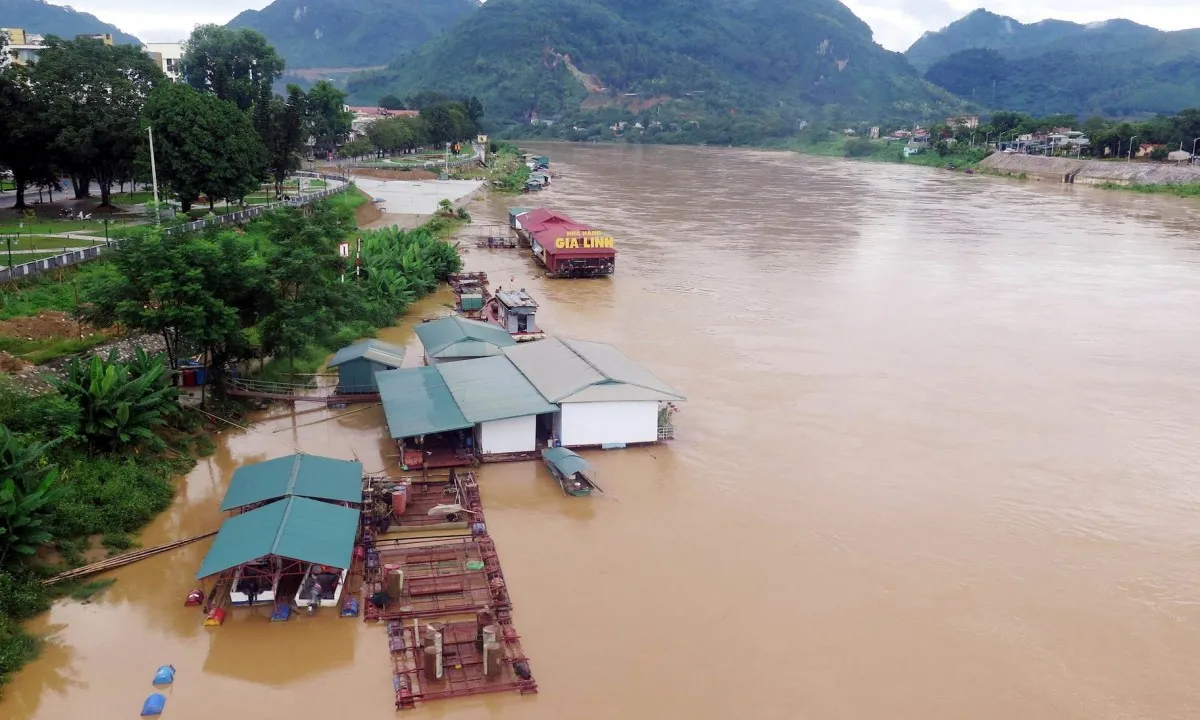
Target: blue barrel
[[201, 374]]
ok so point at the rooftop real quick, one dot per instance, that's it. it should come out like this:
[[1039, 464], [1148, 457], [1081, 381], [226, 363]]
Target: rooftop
[[297, 528], [457, 337], [373, 350], [516, 298], [310, 476], [582, 371], [492, 388], [417, 401]]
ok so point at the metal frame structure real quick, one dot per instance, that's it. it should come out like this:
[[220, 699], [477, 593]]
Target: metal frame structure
[[437, 580]]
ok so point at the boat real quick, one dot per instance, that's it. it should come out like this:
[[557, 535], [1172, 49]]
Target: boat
[[572, 472], [264, 574], [330, 596]]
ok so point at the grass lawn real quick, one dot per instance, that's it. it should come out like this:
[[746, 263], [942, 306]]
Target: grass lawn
[[133, 198], [38, 242], [43, 292], [39, 351], [348, 200], [49, 227], [316, 183]]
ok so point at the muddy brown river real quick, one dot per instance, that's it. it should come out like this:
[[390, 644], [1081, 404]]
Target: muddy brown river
[[939, 460]]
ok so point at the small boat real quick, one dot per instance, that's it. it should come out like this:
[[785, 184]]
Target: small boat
[[259, 576], [571, 471], [331, 587]]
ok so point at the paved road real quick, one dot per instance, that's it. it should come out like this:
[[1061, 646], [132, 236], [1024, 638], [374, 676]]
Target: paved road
[[416, 197]]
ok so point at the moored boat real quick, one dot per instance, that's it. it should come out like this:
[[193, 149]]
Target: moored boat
[[255, 582], [331, 580], [572, 472]]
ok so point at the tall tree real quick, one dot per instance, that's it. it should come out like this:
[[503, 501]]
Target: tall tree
[[329, 122], [447, 122], [235, 65], [202, 144], [200, 293], [94, 97], [280, 124], [24, 134]]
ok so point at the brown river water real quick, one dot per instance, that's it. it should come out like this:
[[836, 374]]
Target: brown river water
[[938, 460]]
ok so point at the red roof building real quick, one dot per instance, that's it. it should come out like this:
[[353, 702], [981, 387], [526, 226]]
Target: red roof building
[[567, 248]]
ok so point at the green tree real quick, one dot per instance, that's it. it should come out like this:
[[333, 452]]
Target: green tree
[[202, 144], [360, 147], [329, 123], [94, 97], [304, 270], [28, 492], [120, 407], [24, 134], [202, 294], [282, 131], [447, 122], [391, 102], [237, 66]]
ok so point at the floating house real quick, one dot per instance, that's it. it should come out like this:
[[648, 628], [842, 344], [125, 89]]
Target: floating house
[[508, 406], [514, 215], [604, 397], [567, 248], [311, 476], [514, 311], [358, 363], [456, 338]]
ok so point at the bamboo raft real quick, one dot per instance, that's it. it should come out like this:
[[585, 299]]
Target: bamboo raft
[[117, 561]]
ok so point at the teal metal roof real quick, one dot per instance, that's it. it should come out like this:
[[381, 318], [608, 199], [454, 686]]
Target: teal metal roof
[[310, 476], [579, 371], [416, 401], [297, 528], [492, 388], [567, 462], [439, 337], [373, 350]]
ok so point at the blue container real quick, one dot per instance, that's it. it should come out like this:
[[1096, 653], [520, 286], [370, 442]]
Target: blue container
[[201, 375]]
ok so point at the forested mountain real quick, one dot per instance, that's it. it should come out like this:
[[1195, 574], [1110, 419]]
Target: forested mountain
[[1114, 68], [559, 58], [42, 18], [350, 33]]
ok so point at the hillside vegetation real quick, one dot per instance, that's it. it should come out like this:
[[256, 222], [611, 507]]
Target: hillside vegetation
[[39, 16], [565, 59], [350, 33], [1115, 68]]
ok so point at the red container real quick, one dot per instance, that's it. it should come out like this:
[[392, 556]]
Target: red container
[[399, 501], [188, 378]]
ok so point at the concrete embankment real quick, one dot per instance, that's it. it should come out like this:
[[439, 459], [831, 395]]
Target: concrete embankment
[[1091, 172]]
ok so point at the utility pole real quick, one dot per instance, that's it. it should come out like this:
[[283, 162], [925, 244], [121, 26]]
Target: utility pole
[[154, 178], [1130, 158]]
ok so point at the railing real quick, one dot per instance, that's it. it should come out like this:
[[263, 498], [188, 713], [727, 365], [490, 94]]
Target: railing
[[666, 432], [82, 255], [244, 386]]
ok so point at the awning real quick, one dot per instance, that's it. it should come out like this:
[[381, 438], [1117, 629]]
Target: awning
[[310, 476], [296, 528], [416, 402], [565, 461]]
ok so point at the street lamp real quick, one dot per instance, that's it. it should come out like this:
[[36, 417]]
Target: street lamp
[[106, 232], [1130, 158]]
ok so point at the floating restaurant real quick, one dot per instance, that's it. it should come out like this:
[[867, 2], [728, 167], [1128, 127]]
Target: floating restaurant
[[566, 249]]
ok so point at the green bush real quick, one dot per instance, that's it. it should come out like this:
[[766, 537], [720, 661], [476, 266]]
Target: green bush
[[111, 495]]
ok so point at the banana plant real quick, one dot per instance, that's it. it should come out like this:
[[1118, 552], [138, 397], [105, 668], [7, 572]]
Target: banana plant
[[28, 491], [121, 403]]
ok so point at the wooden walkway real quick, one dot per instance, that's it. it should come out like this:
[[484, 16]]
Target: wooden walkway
[[297, 392], [113, 563]]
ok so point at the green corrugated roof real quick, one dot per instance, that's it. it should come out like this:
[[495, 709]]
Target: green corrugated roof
[[416, 401], [492, 388], [567, 462], [439, 337], [297, 528], [373, 350], [579, 371], [310, 476]]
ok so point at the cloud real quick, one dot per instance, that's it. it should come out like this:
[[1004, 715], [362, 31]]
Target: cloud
[[163, 21]]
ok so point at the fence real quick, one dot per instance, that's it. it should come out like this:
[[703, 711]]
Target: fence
[[82, 255]]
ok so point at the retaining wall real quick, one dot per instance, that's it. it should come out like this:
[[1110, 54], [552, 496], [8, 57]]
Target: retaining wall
[[1091, 172]]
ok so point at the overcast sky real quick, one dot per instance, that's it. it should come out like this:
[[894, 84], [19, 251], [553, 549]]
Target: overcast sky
[[897, 23]]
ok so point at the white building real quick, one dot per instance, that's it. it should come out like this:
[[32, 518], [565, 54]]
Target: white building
[[167, 55], [604, 398]]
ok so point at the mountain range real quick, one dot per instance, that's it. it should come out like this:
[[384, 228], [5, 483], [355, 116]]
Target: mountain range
[[350, 33], [528, 59], [1114, 68], [42, 18]]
